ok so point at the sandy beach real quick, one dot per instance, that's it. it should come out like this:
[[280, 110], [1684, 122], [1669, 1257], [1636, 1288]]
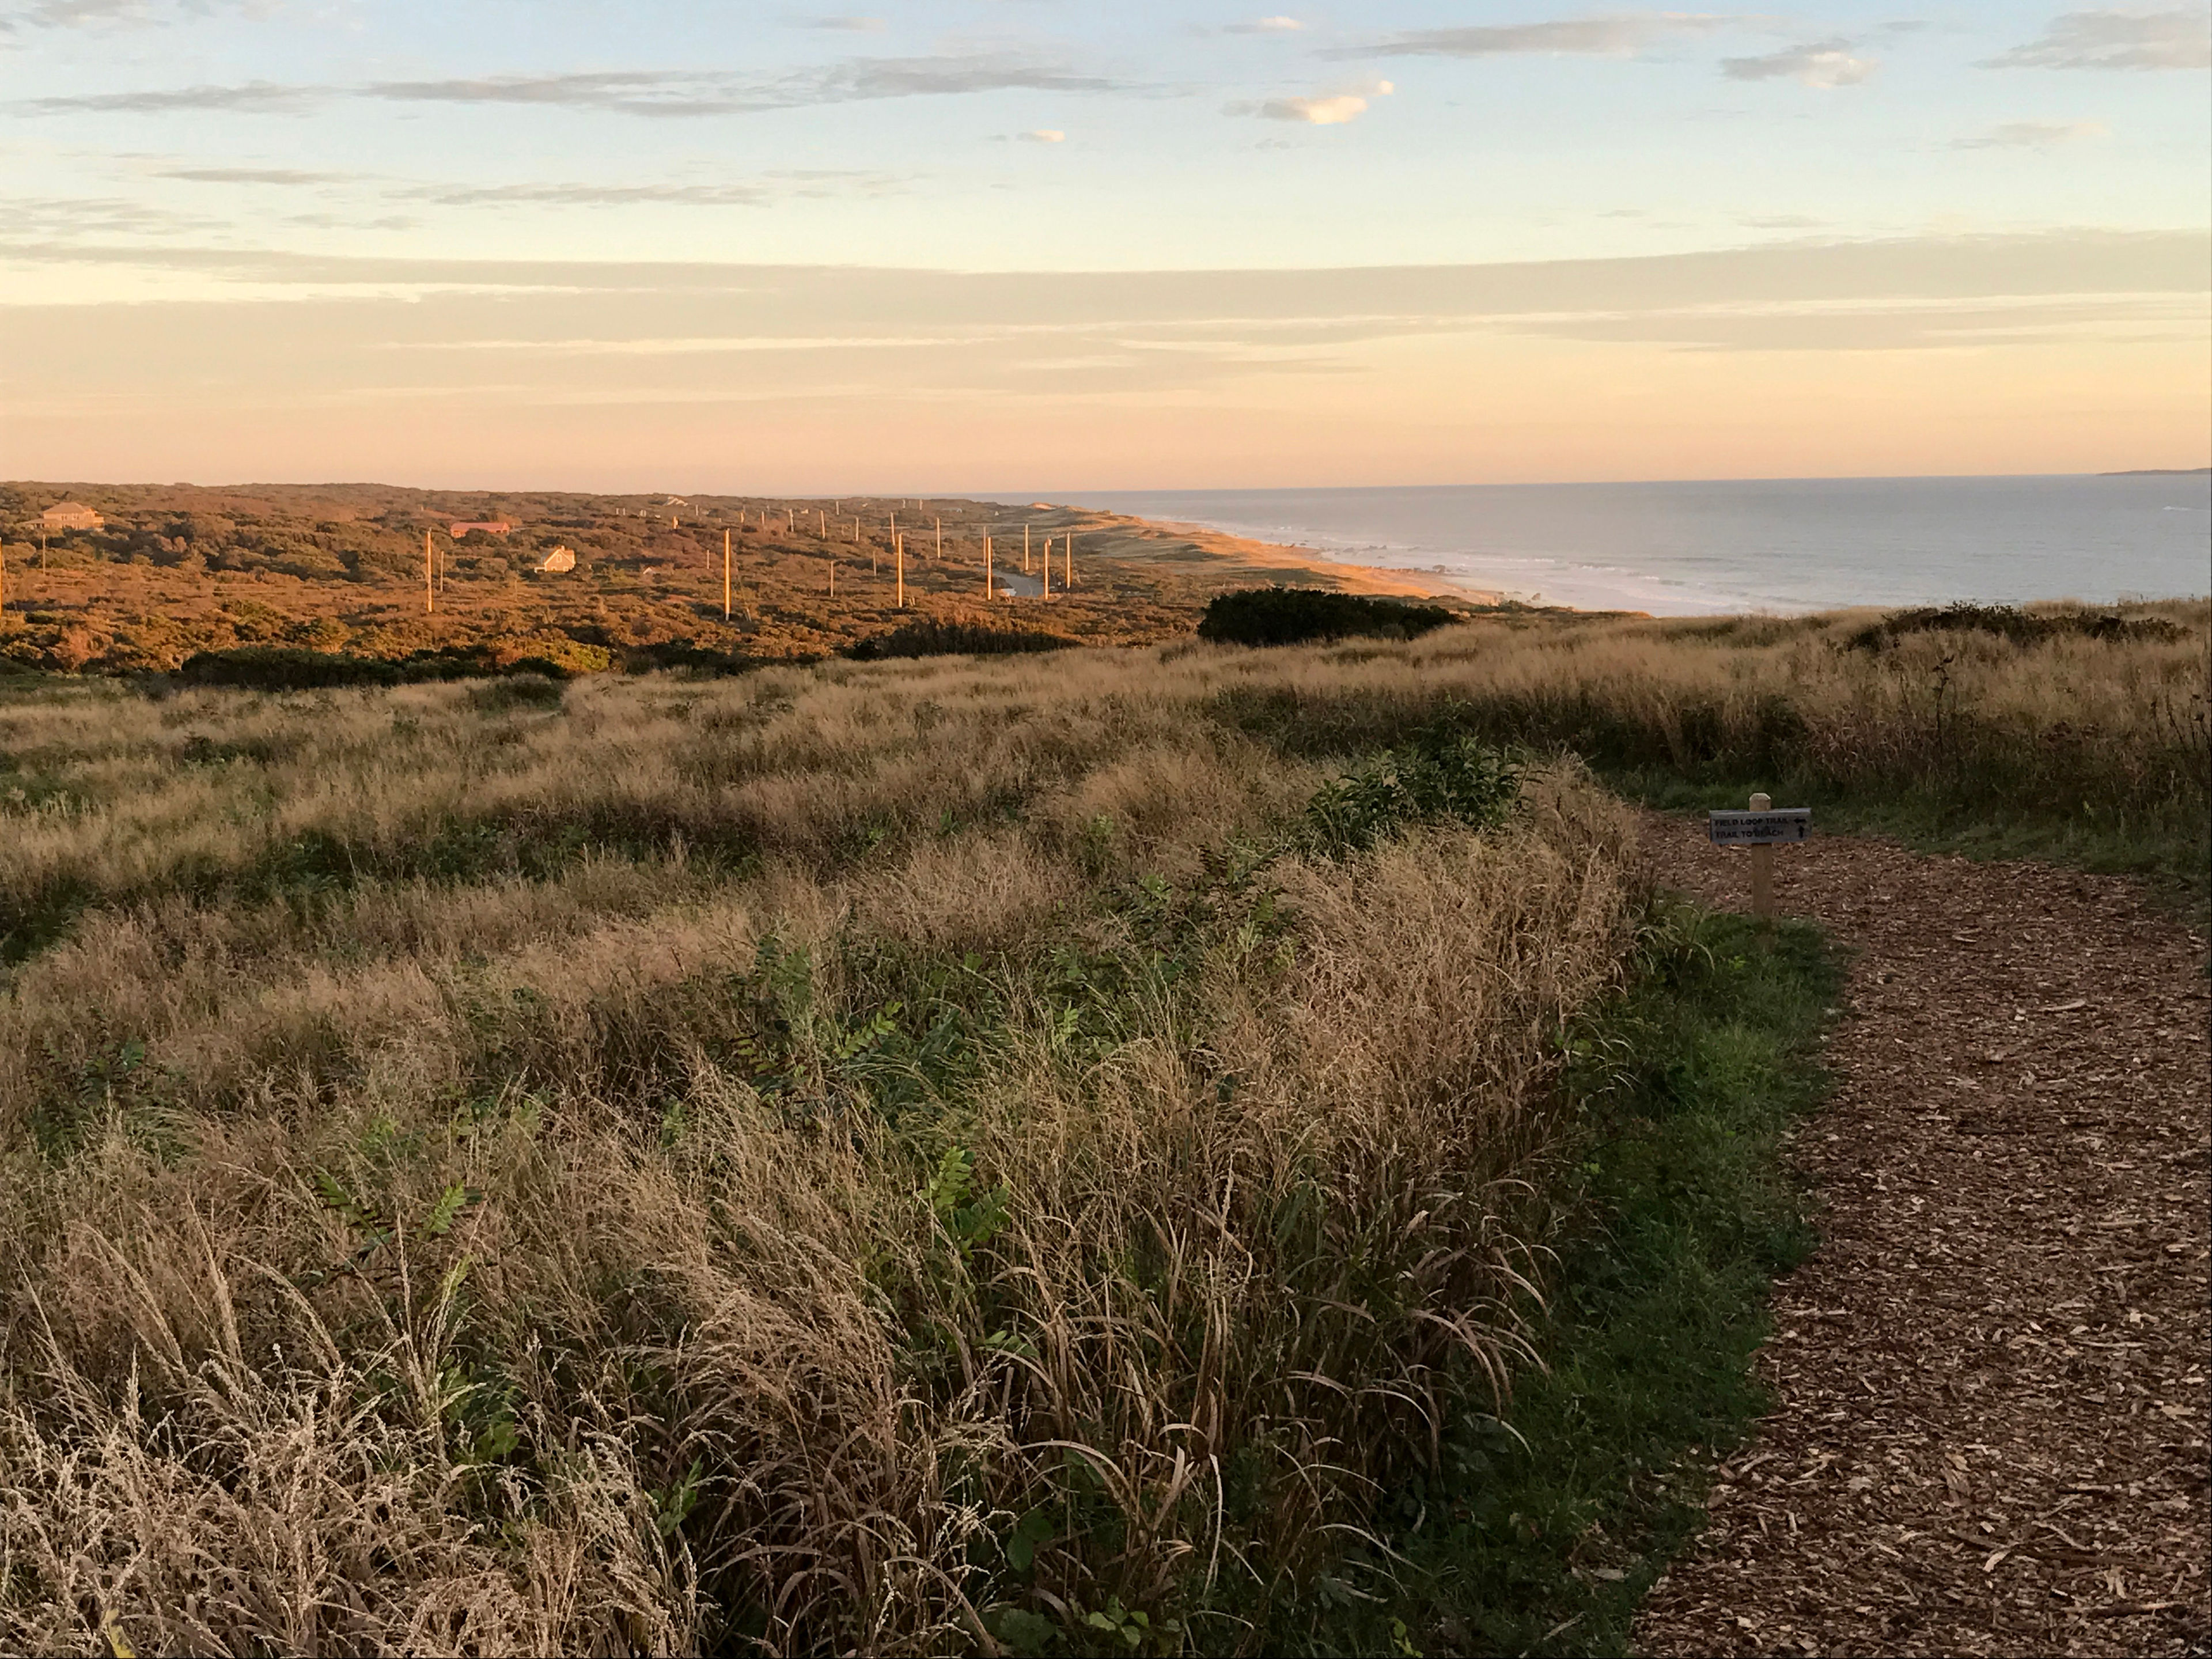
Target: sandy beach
[[1217, 558]]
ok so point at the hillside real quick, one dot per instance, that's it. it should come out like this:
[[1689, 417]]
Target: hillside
[[176, 569]]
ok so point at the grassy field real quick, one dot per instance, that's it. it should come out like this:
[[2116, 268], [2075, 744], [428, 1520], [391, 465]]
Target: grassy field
[[1054, 1151]]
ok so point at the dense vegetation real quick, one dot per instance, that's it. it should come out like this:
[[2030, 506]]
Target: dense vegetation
[[2086, 738], [1074, 1151], [338, 571], [1300, 615], [862, 1157]]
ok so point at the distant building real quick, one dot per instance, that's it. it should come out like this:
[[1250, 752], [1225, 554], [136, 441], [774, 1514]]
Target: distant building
[[71, 515], [558, 560], [489, 526]]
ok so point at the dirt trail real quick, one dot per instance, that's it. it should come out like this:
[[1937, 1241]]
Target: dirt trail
[[1990, 1377]]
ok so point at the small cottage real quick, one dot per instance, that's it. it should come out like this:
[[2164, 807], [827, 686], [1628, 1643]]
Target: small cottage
[[558, 560], [71, 515]]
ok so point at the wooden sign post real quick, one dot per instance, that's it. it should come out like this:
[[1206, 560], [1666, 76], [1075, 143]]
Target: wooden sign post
[[1762, 829]]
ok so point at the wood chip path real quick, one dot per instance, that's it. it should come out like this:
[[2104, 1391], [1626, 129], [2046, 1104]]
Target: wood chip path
[[1991, 1430]]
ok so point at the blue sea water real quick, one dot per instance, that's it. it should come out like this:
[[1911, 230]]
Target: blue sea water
[[1748, 545]]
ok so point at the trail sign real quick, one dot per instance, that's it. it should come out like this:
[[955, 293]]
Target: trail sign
[[1778, 827], [1760, 829]]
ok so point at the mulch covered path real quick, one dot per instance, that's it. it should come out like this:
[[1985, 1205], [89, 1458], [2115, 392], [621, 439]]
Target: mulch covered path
[[1990, 1377]]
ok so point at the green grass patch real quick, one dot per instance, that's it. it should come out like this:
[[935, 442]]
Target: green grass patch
[[1540, 1534]]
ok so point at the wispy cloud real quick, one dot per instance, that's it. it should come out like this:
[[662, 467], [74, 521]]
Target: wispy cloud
[[81, 14], [843, 25], [1623, 35], [254, 97], [1816, 64], [1042, 135], [1264, 26], [282, 176], [69, 218], [2034, 135], [665, 93], [752, 191], [2179, 39]]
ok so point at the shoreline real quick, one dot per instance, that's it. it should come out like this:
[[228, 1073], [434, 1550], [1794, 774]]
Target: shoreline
[[1249, 560]]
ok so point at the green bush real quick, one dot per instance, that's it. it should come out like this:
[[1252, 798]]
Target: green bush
[[2011, 623], [290, 668], [1295, 616], [930, 637]]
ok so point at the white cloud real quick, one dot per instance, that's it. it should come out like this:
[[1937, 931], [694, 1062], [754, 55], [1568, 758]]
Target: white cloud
[[844, 25], [1328, 109], [1043, 136], [2131, 39], [1264, 25], [2034, 135], [1816, 64]]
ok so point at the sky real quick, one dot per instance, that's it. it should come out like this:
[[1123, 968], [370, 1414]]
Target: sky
[[992, 245]]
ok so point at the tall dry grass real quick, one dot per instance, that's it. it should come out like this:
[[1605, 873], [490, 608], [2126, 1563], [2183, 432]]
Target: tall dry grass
[[887, 1156], [894, 1160]]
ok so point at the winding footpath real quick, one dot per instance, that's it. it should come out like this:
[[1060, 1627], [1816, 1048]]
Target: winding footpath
[[1989, 1430]]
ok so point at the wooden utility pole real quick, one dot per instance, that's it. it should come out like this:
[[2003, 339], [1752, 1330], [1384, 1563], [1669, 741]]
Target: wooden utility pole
[[940, 554], [833, 575], [725, 575], [822, 524], [1067, 559], [1025, 549], [898, 554], [430, 592], [1044, 565], [986, 568]]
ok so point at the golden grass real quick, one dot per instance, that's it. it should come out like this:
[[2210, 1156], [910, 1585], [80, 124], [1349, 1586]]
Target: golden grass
[[858, 1157], [707, 1163]]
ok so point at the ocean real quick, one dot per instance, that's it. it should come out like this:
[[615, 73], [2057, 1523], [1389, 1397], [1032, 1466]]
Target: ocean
[[1780, 545]]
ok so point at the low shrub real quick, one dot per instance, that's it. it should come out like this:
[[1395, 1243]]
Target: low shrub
[[1295, 616], [293, 668], [2009, 621], [933, 637]]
